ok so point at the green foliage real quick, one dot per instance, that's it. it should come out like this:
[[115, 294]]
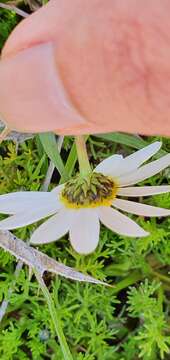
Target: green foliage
[[153, 327], [21, 170], [129, 321], [8, 20]]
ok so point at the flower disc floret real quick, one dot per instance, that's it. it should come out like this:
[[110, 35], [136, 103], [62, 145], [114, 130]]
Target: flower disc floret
[[93, 190]]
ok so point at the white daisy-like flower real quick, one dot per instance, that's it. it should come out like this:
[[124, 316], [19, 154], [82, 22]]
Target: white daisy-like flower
[[81, 204]]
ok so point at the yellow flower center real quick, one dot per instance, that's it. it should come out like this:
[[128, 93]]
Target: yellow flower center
[[89, 192]]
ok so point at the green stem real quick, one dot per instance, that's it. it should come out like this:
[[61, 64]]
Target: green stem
[[56, 320], [84, 165], [129, 280]]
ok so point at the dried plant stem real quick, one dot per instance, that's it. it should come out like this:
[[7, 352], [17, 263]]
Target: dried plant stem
[[56, 320], [48, 177], [39, 261], [4, 133], [15, 9]]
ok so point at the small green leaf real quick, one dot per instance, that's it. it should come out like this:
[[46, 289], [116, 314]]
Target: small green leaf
[[50, 146], [37, 171]]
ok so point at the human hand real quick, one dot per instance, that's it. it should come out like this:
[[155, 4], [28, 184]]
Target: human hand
[[78, 67]]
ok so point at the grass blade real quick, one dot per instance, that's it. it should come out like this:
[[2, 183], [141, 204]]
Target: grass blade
[[124, 139], [49, 144]]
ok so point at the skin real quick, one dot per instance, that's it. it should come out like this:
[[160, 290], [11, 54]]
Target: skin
[[78, 67]]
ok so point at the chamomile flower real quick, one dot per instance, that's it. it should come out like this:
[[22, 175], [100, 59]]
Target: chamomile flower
[[81, 204]]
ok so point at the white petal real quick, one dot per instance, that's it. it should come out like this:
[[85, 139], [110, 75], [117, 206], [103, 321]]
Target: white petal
[[54, 228], [140, 209], [143, 190], [133, 161], [18, 201], [120, 223], [145, 171], [57, 190], [109, 165], [27, 217], [114, 167], [84, 232], [145, 153]]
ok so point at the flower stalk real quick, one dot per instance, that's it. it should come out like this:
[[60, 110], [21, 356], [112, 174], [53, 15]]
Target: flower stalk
[[56, 319], [84, 165]]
